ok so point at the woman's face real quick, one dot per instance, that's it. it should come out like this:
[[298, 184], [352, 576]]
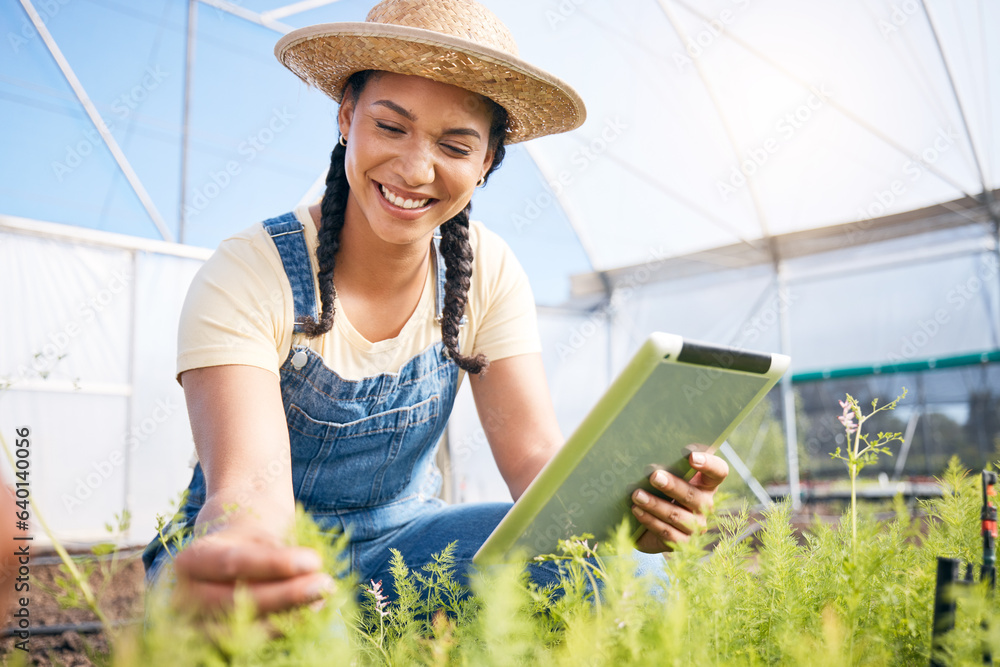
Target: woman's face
[[415, 150]]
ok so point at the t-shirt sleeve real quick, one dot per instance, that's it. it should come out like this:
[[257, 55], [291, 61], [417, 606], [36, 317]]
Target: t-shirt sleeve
[[234, 310], [508, 324]]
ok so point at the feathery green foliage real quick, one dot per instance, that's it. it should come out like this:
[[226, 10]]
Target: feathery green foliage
[[747, 592], [789, 600]]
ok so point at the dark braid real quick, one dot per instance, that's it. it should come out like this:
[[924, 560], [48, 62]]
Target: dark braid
[[331, 222], [457, 253], [458, 256]]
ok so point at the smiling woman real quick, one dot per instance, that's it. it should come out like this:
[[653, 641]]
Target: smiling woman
[[320, 351]]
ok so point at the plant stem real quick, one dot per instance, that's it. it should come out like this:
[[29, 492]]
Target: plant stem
[[593, 586], [854, 509], [854, 490]]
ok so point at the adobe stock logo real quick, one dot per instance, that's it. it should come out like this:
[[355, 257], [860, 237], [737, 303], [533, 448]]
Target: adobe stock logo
[[45, 358], [47, 10], [913, 168], [581, 159], [562, 12]]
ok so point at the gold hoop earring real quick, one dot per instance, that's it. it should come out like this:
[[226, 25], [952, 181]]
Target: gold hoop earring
[[481, 183], [343, 141]]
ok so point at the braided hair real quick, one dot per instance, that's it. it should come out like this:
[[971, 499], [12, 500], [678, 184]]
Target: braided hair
[[455, 246]]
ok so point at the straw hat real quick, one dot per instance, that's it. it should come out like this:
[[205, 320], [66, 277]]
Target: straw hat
[[459, 42]]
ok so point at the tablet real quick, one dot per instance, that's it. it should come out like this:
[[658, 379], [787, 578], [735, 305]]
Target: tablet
[[673, 397]]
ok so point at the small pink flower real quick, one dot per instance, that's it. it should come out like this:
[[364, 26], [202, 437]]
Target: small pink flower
[[847, 419], [381, 601]]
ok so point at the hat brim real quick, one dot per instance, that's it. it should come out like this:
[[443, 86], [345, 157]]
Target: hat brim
[[537, 103]]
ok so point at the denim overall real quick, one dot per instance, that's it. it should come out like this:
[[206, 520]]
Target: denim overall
[[363, 451]]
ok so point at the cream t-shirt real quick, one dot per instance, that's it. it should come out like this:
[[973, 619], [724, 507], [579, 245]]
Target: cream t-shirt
[[239, 310]]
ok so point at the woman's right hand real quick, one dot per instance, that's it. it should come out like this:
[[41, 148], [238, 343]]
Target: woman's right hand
[[239, 429], [278, 577]]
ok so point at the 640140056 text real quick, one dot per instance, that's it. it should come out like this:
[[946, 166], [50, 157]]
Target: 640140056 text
[[22, 538]]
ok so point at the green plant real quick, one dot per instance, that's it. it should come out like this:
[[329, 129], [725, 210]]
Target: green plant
[[825, 596], [787, 600], [857, 457]]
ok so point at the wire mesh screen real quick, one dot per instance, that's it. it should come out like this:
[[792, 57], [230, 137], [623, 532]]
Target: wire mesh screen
[[947, 412]]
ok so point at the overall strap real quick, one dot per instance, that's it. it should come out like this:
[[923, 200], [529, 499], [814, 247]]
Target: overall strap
[[289, 238]]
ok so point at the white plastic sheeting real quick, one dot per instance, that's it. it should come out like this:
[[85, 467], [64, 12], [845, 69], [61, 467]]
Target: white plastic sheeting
[[87, 363], [95, 381], [727, 120]]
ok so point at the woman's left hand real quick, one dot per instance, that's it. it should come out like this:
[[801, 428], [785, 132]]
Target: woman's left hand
[[668, 523]]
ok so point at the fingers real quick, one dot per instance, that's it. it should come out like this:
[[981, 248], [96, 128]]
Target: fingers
[[268, 596], [675, 520], [687, 494], [654, 542], [712, 470], [666, 523], [660, 516], [277, 577], [223, 560]]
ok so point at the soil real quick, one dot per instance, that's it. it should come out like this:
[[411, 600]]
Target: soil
[[120, 597]]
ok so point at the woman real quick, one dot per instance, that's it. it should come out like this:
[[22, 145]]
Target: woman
[[340, 405]]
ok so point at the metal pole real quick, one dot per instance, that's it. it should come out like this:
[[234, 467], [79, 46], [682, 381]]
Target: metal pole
[[248, 15], [95, 118], [995, 219], [610, 317], [787, 393], [904, 452], [130, 401], [925, 430], [192, 30], [294, 8], [744, 472]]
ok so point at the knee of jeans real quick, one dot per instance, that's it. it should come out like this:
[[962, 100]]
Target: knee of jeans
[[650, 567], [540, 573], [653, 567], [153, 571], [161, 579]]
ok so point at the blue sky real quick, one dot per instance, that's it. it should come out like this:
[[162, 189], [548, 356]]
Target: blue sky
[[258, 137]]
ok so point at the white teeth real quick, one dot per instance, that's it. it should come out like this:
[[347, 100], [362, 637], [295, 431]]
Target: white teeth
[[403, 203]]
